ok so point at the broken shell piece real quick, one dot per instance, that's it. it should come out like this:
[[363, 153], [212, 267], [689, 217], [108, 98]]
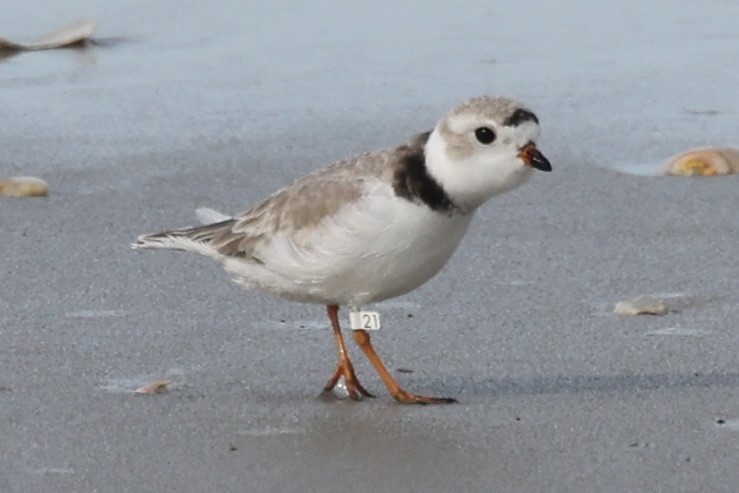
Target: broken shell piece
[[643, 305], [23, 186], [710, 161], [209, 216], [158, 387], [73, 34], [340, 391]]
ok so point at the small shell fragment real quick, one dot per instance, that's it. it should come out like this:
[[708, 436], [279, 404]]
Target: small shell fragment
[[157, 387], [206, 215], [709, 161], [23, 186], [643, 305], [70, 35]]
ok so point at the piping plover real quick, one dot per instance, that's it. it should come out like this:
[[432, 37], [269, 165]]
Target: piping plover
[[373, 226]]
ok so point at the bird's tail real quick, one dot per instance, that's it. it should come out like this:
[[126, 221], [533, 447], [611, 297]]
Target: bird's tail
[[197, 239]]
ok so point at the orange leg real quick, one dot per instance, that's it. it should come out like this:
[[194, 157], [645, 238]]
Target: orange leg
[[344, 368], [362, 338]]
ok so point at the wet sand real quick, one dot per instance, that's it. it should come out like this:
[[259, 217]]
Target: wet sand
[[556, 392]]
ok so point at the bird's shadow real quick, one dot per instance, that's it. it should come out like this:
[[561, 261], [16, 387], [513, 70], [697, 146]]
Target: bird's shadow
[[569, 384]]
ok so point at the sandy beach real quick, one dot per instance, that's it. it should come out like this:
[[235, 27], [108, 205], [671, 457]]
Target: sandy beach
[[179, 106]]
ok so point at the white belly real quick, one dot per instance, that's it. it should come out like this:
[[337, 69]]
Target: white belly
[[378, 248]]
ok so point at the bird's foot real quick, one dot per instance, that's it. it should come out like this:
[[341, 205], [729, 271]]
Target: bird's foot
[[353, 387], [405, 397]]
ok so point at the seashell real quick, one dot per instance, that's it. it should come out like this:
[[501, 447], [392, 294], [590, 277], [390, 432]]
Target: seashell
[[157, 387], [23, 186], [643, 305], [709, 161], [72, 34]]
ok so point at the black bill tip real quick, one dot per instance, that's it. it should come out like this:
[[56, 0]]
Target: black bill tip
[[532, 157]]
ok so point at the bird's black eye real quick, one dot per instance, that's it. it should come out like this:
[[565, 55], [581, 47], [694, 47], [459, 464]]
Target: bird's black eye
[[485, 135]]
